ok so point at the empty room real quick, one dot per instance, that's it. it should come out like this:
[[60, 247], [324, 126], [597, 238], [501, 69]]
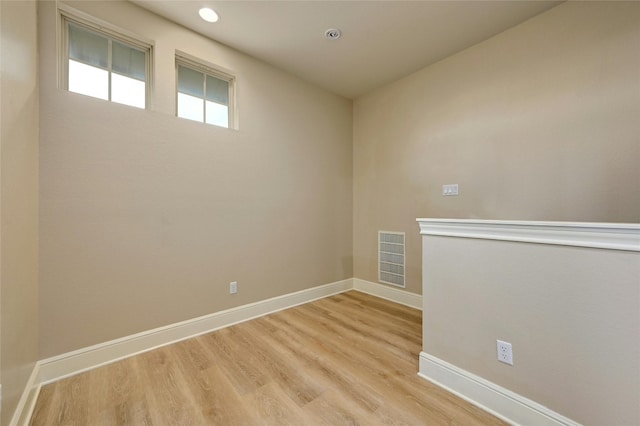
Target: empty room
[[319, 212]]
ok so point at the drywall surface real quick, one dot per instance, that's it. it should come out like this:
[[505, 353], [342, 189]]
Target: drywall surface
[[18, 200], [572, 315], [537, 123], [146, 218]]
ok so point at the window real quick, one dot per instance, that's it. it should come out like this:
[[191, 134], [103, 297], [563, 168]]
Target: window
[[101, 64], [204, 94]]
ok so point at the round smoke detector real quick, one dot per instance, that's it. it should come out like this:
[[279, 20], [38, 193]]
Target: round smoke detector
[[333, 34]]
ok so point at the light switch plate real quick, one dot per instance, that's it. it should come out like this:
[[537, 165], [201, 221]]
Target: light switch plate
[[451, 189]]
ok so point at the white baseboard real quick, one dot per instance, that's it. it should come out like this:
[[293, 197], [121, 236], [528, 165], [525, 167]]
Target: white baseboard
[[502, 403], [27, 402], [385, 292], [71, 363], [84, 359], [490, 397]]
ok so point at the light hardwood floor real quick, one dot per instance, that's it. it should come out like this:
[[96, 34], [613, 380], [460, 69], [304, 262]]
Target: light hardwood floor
[[349, 359]]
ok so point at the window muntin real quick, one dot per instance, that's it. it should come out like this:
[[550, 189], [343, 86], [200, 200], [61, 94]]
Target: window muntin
[[102, 66], [204, 94]]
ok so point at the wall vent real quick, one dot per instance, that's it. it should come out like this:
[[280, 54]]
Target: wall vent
[[391, 265]]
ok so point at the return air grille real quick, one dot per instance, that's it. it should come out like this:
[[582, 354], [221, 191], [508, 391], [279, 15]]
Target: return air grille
[[391, 258]]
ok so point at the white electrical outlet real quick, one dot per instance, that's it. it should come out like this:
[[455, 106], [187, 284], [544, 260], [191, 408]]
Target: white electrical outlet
[[505, 352], [233, 287]]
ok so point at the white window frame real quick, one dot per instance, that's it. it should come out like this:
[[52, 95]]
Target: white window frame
[[199, 65], [68, 15]]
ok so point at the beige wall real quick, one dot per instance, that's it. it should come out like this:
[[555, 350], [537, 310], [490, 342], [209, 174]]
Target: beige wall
[[540, 122], [572, 315], [18, 200], [146, 218]]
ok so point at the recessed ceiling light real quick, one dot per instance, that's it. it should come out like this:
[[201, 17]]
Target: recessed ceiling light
[[333, 34], [208, 14]]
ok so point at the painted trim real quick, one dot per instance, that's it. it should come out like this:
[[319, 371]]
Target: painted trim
[[612, 236], [71, 363], [390, 293], [27, 402], [502, 403], [488, 396], [78, 361]]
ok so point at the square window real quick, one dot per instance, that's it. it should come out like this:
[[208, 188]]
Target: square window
[[204, 94], [104, 65]]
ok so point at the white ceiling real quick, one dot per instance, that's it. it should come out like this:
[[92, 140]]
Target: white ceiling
[[381, 41]]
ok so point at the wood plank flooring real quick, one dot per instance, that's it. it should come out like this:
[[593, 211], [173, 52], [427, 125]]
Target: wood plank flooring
[[350, 359]]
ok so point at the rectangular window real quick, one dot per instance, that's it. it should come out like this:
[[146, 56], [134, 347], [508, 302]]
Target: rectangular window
[[101, 64], [204, 94]]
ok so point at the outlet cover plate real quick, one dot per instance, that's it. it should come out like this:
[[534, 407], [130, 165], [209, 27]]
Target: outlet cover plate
[[505, 352]]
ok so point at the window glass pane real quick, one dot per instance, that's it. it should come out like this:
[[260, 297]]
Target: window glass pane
[[128, 61], [128, 91], [190, 107], [88, 80], [190, 82], [88, 47], [217, 90], [217, 114]]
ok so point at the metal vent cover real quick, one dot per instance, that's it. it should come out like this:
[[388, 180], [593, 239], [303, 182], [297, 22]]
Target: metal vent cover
[[391, 266]]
